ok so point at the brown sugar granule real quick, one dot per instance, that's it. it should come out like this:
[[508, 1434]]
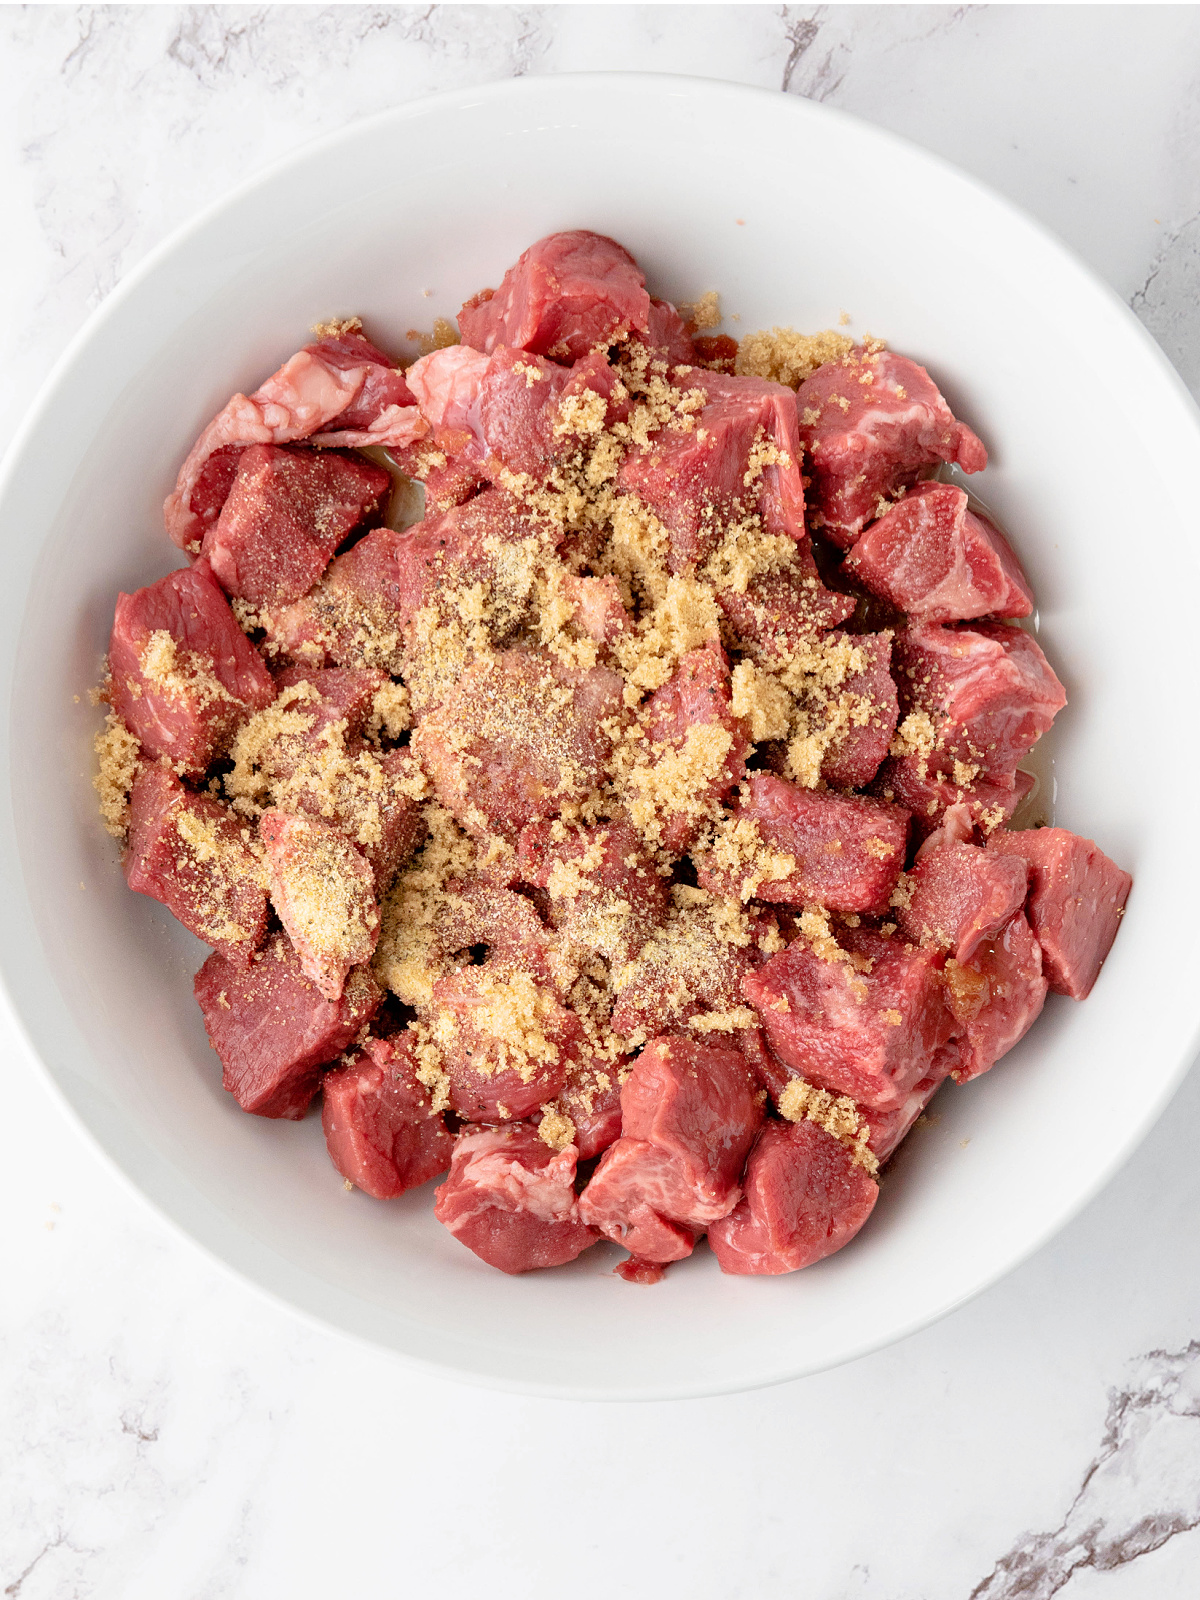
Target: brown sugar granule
[[336, 327], [556, 1129], [703, 313], [785, 356], [442, 336], [119, 752]]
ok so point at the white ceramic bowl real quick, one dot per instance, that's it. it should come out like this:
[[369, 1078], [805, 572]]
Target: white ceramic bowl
[[794, 213]]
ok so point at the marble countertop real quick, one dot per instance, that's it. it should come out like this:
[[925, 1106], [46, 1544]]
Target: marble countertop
[[165, 1434]]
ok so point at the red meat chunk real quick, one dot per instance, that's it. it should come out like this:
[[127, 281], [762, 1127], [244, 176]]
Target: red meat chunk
[[519, 738], [480, 913], [357, 615], [871, 1034], [324, 892], [606, 895], [778, 611], [693, 706], [340, 696], [511, 1199], [928, 795], [988, 690], [505, 1042], [805, 1197], [600, 613], [532, 411], [869, 423], [937, 560], [873, 710], [685, 976], [961, 896], [668, 336], [567, 294], [889, 1128], [286, 513], [193, 854], [689, 1114], [591, 1097], [273, 1029], [183, 673], [847, 852], [1076, 900], [995, 998], [214, 483], [446, 384], [741, 458], [337, 380], [380, 1127]]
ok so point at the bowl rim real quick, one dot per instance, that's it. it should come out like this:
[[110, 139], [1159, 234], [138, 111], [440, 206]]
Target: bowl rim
[[528, 88]]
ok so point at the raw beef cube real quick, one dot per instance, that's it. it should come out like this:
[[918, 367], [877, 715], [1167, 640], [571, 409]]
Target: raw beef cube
[[995, 998], [864, 706], [606, 895], [1076, 901], [869, 1029], [324, 892], [380, 1126], [740, 458], [988, 692], [567, 294], [697, 750], [520, 737], [591, 1097], [928, 795], [511, 1199], [359, 613], [716, 351], [273, 1029], [193, 854], [401, 825], [214, 483], [668, 336], [961, 896], [340, 697], [689, 1114], [805, 1197], [380, 409], [286, 514], [869, 423], [687, 978], [505, 1042], [534, 412], [313, 389], [932, 557], [183, 673], [627, 1199], [506, 923], [802, 847], [778, 612]]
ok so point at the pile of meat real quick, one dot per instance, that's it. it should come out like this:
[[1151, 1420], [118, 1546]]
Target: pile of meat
[[627, 839]]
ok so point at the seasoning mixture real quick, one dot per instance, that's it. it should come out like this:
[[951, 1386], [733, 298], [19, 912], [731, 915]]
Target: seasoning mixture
[[628, 837]]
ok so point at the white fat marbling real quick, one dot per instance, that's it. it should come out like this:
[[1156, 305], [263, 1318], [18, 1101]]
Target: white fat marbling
[[165, 1434]]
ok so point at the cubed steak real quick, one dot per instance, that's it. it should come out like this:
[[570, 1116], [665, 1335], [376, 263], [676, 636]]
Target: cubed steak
[[738, 458], [182, 673], [805, 1197], [990, 801], [796, 846], [986, 692], [343, 379], [274, 1030], [869, 422], [931, 556], [380, 1126], [287, 512], [1076, 901], [511, 1199], [778, 612], [533, 412], [696, 751], [689, 1114], [195, 856], [567, 294], [606, 895], [323, 890], [961, 895], [995, 997], [520, 737], [868, 1027]]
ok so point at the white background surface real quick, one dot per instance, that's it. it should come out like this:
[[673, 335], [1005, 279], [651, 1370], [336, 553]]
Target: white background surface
[[164, 1433]]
